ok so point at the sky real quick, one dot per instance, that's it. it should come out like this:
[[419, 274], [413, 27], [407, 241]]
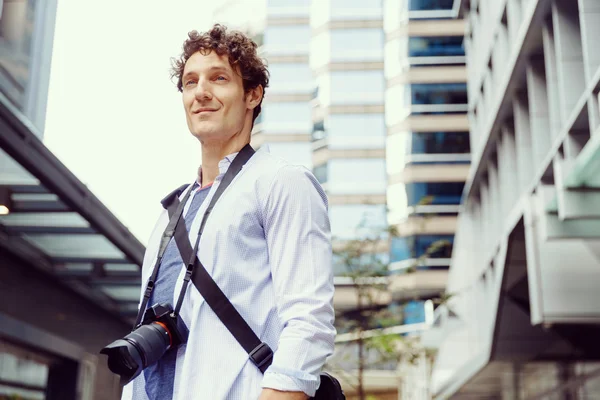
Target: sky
[[114, 117]]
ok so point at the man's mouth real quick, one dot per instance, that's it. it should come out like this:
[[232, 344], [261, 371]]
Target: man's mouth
[[204, 110]]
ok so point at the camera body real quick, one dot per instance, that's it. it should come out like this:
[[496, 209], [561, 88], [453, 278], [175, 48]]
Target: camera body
[[163, 314], [160, 330]]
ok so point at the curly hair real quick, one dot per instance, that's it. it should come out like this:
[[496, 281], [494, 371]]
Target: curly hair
[[240, 49]]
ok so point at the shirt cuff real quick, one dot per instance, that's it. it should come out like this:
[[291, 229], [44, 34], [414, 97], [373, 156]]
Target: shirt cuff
[[290, 380]]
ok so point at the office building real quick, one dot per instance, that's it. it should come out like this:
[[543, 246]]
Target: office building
[[427, 143], [285, 120], [523, 322], [371, 95]]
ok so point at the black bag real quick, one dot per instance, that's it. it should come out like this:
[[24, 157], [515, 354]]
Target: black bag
[[259, 352], [329, 389]]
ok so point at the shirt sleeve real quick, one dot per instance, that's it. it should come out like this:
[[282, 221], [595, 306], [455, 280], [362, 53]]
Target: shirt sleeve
[[298, 238]]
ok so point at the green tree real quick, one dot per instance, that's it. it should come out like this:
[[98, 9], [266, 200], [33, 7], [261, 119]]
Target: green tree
[[363, 261]]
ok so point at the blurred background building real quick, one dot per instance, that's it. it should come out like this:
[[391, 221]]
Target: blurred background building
[[524, 319], [372, 96], [69, 270]]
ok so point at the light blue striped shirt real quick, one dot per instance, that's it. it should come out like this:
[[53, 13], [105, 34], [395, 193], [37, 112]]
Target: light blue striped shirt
[[267, 245]]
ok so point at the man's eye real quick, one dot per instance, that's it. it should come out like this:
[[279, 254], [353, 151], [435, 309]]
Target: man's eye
[[190, 82], [221, 78]]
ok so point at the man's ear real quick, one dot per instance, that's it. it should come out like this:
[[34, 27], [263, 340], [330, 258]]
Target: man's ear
[[254, 97]]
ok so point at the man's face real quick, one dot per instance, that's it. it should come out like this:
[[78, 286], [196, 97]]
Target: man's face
[[216, 106]]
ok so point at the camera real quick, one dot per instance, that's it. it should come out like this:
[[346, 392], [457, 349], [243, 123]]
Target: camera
[[159, 331]]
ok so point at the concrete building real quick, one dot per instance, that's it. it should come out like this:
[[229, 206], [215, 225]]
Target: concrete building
[[285, 122], [348, 114], [524, 319], [372, 96], [427, 143], [377, 108], [69, 270]]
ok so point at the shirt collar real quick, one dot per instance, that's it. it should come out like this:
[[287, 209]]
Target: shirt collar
[[223, 166], [226, 162]]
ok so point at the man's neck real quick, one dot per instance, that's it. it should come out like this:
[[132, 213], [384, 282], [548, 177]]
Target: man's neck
[[213, 153]]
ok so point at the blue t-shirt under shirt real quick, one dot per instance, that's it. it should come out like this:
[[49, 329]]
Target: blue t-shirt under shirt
[[160, 376]]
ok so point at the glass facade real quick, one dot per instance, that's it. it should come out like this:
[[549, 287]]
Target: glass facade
[[287, 3], [320, 172], [406, 248], [434, 193], [356, 45], [427, 5], [16, 30], [424, 98], [414, 312], [437, 93], [299, 153], [356, 9], [290, 39], [438, 142], [435, 46], [351, 88], [26, 35], [287, 118], [356, 176], [355, 131], [290, 78], [288, 8], [23, 373], [351, 221]]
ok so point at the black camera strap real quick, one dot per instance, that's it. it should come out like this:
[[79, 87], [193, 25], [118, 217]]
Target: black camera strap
[[164, 241], [175, 211], [181, 235], [260, 353]]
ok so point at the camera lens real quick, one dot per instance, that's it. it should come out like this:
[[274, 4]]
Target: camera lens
[[127, 357]]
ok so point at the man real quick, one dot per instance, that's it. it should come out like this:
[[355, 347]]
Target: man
[[266, 244]]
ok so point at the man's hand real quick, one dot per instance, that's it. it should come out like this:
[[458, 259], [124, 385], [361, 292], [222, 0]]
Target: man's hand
[[272, 394]]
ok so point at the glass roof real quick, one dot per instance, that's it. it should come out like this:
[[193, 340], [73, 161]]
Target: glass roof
[[76, 246], [56, 220], [121, 267], [130, 293], [46, 219]]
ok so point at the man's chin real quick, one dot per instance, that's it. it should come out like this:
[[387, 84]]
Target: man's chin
[[206, 133]]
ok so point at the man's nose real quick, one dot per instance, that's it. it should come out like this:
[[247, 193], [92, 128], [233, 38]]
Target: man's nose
[[202, 90]]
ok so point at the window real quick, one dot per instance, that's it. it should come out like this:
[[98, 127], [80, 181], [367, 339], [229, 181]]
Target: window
[[356, 9], [414, 312], [354, 131], [438, 93], [405, 248], [287, 39], [357, 176], [288, 3], [295, 153], [318, 131], [290, 78], [287, 118], [288, 8], [353, 221], [357, 45], [434, 193], [435, 46], [15, 48], [26, 34], [352, 87], [320, 172], [438, 142], [421, 5]]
